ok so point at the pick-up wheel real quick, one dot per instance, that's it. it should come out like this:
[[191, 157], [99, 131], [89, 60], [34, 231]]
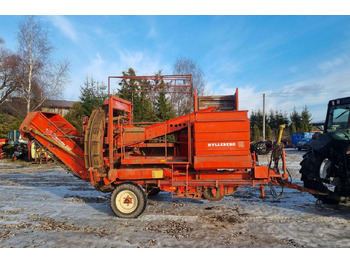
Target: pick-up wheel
[[128, 200], [212, 194]]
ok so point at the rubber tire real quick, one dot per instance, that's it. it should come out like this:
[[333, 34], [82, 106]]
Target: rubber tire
[[141, 200], [209, 196], [310, 169]]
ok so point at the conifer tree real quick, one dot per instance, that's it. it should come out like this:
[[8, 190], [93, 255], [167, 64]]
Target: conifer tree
[[144, 110], [306, 118], [75, 116], [128, 86], [255, 134], [292, 128], [256, 118], [92, 95], [135, 91], [268, 132], [295, 118], [165, 110]]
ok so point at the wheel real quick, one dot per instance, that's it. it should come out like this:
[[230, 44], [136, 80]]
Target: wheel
[[212, 194], [128, 200], [315, 166], [259, 147]]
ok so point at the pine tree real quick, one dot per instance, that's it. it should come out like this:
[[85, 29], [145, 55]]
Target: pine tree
[[292, 128], [306, 118], [255, 134], [271, 120], [143, 108], [92, 95], [136, 91], [295, 118], [256, 118], [165, 110], [75, 116], [128, 87], [268, 132], [280, 118]]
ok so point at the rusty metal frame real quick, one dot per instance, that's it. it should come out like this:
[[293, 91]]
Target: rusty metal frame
[[169, 81]]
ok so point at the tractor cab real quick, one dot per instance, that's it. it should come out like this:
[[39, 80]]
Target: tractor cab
[[338, 119]]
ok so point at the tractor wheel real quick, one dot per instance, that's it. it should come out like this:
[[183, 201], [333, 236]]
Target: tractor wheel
[[212, 194], [315, 166], [128, 200]]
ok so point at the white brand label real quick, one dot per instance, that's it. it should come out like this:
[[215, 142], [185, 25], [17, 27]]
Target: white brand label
[[221, 144]]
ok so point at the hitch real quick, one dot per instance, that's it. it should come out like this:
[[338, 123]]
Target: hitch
[[288, 184]]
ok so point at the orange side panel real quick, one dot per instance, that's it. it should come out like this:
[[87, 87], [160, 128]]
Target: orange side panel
[[137, 173], [222, 140], [223, 136], [222, 162], [222, 115], [225, 127], [261, 172]]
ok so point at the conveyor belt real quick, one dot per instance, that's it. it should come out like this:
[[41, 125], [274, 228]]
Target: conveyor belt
[[93, 142]]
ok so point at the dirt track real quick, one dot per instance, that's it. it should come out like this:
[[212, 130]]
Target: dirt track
[[45, 207]]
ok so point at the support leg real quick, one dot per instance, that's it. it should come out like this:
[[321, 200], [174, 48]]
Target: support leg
[[262, 191]]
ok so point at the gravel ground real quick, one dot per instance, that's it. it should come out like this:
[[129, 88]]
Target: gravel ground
[[42, 206]]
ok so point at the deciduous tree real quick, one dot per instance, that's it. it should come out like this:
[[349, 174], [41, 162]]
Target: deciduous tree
[[36, 66], [183, 66], [8, 67]]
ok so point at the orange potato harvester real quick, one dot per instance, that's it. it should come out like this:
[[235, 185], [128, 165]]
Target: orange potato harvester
[[204, 154]]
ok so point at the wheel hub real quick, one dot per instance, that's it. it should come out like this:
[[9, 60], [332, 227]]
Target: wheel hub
[[324, 168], [126, 201]]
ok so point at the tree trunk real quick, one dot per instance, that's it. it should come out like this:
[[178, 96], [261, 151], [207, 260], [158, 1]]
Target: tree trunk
[[29, 91]]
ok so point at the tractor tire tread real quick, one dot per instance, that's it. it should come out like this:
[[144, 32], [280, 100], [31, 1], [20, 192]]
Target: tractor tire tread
[[310, 166]]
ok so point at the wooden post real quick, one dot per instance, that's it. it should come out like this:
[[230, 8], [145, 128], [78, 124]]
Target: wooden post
[[264, 117]]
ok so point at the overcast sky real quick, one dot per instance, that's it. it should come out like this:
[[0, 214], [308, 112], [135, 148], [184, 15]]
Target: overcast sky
[[295, 60]]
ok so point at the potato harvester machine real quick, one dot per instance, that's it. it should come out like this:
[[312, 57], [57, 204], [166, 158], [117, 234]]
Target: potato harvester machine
[[204, 154]]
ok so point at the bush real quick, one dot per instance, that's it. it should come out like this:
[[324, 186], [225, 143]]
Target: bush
[[8, 123]]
